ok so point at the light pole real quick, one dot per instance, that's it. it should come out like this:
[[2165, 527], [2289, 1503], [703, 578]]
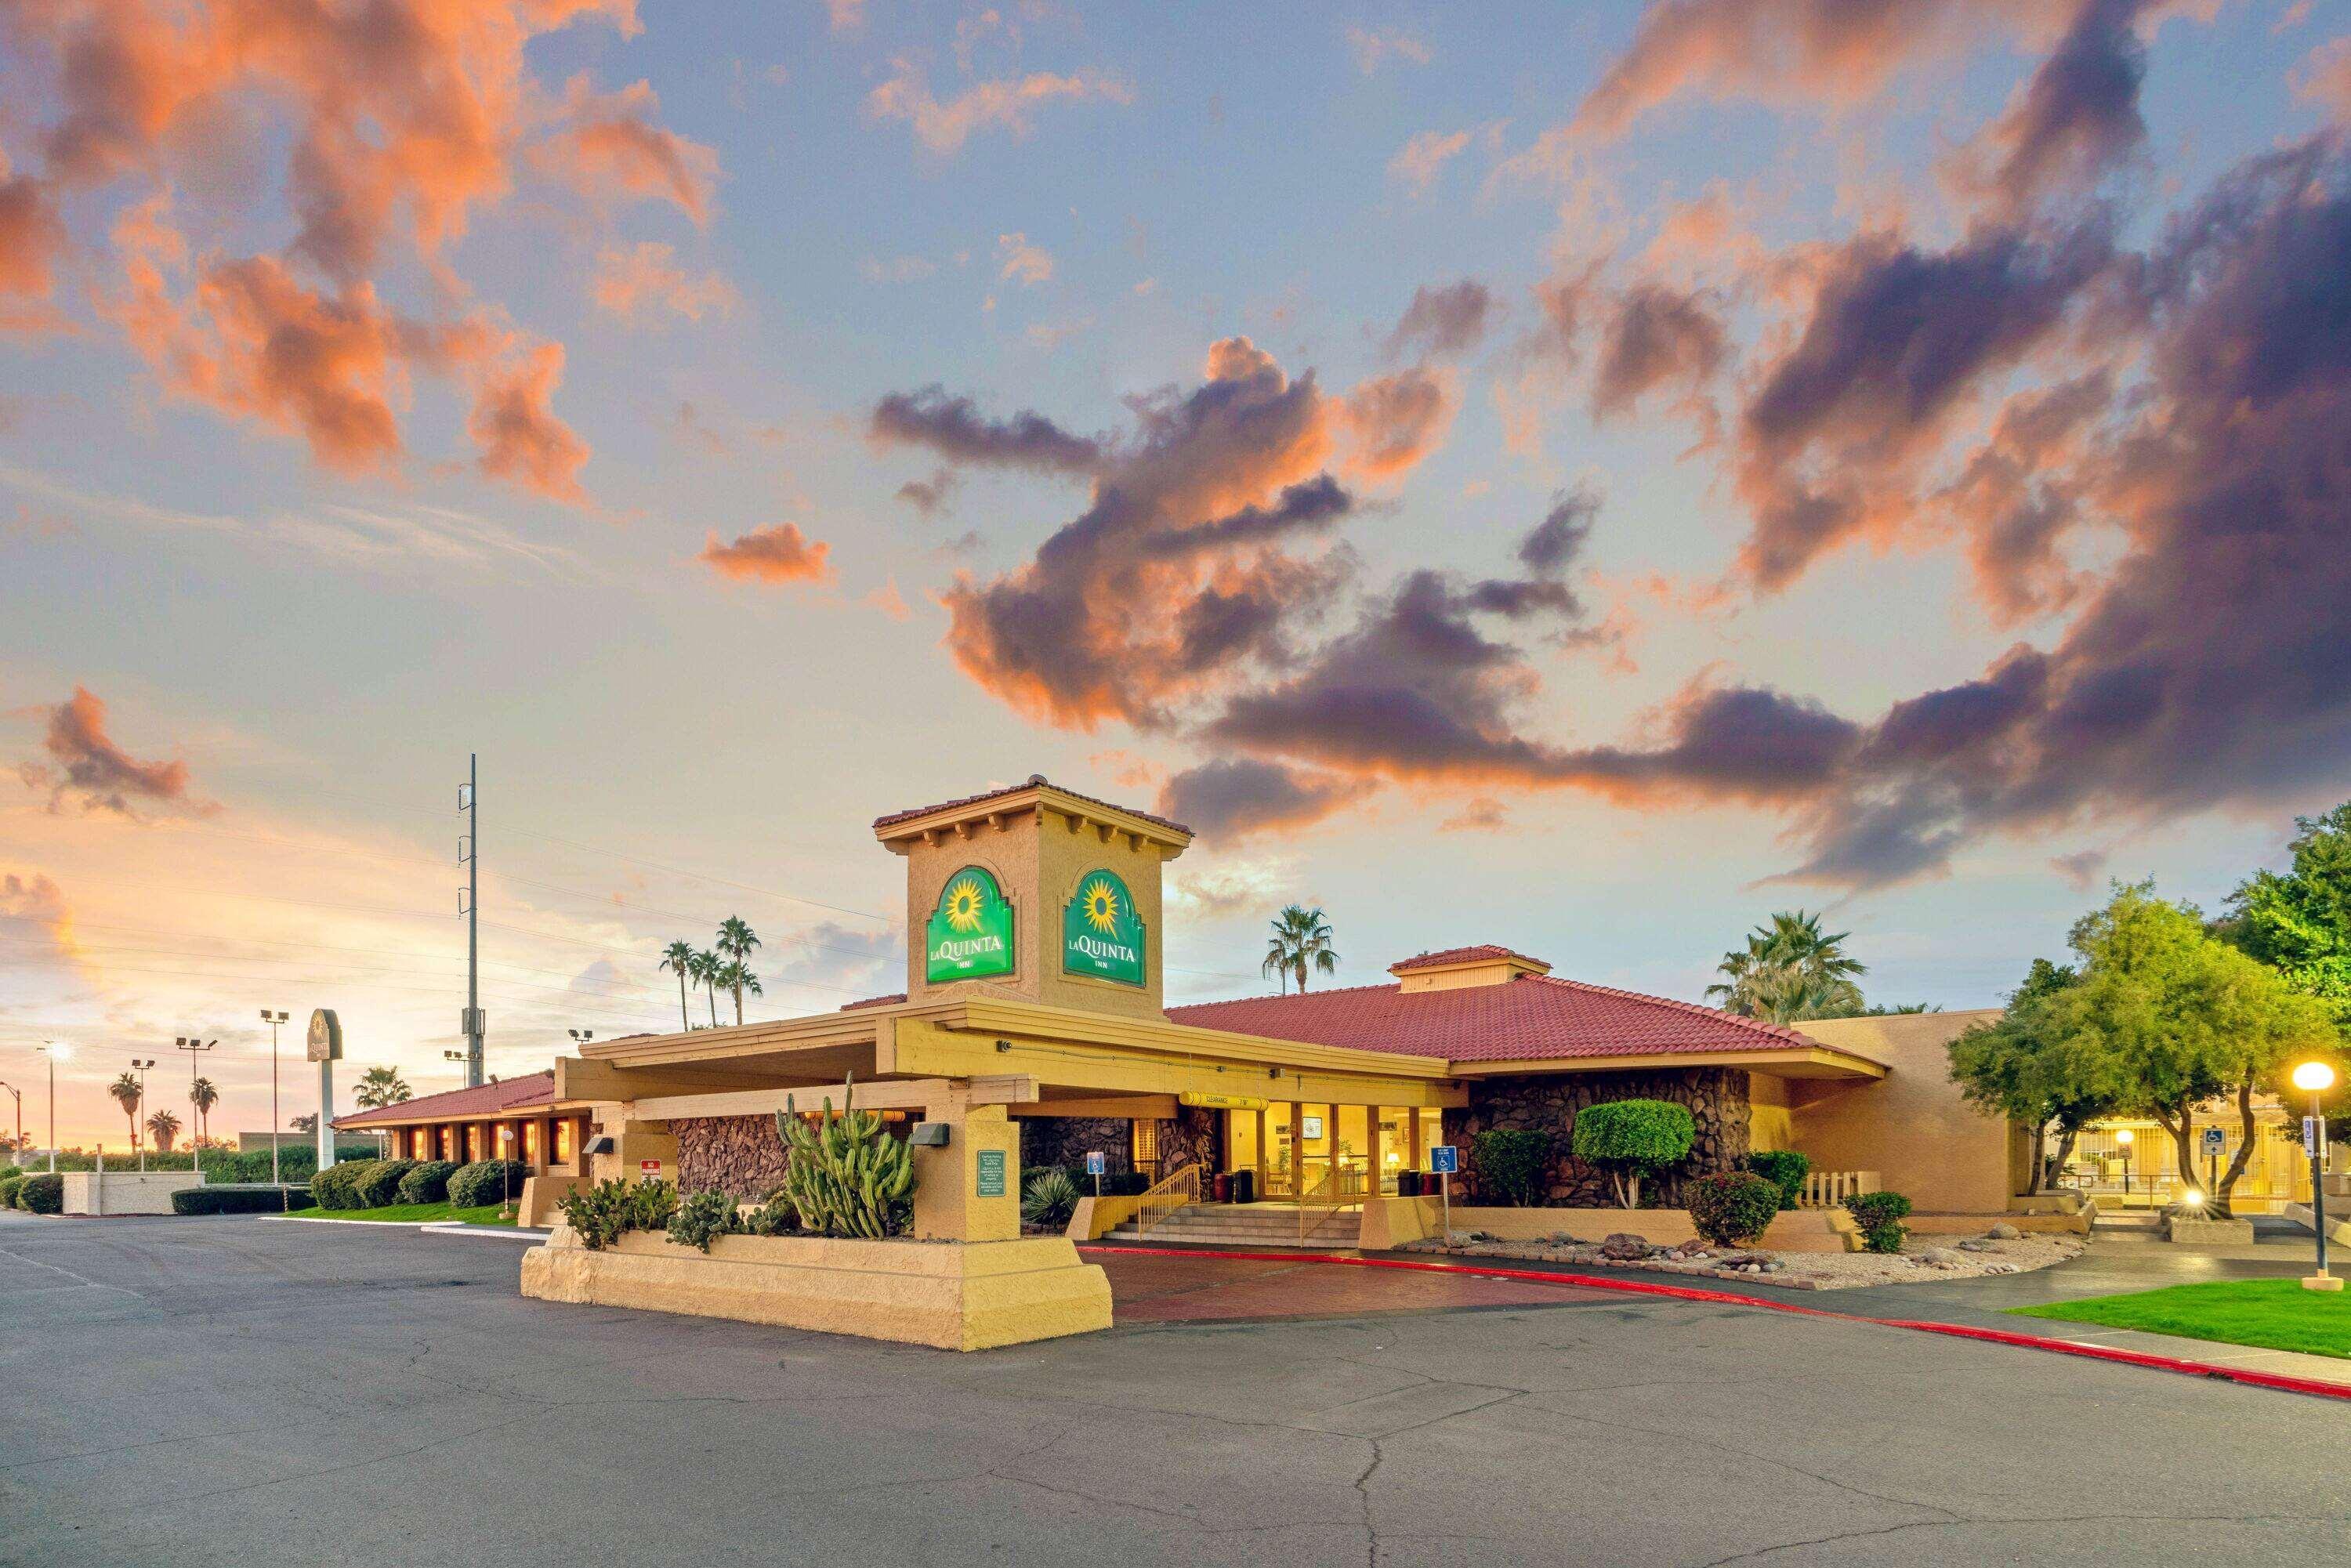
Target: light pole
[[142, 1068], [196, 1049], [19, 1151], [273, 1021], [53, 1050], [580, 1036], [2123, 1139], [2315, 1078]]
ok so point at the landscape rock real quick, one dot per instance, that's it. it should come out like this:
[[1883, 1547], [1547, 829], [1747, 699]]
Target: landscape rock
[[1977, 1244], [2004, 1232], [1938, 1258], [1624, 1247]]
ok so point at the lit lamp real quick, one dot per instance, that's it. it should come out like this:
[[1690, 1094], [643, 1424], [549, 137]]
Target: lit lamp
[[2123, 1139], [2314, 1079]]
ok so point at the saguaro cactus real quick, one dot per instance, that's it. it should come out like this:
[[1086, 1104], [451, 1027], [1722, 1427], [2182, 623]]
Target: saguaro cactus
[[846, 1172]]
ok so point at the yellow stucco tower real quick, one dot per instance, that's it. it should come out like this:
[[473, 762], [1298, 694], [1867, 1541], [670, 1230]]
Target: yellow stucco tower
[[1035, 892]]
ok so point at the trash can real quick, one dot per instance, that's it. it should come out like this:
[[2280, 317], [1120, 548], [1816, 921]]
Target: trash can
[[1407, 1183], [1244, 1187], [1221, 1188]]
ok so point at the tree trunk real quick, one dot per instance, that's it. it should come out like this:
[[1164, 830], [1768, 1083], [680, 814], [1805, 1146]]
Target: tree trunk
[[2034, 1173], [684, 1019], [713, 1005], [739, 1006], [2065, 1136], [2228, 1184], [2183, 1138]]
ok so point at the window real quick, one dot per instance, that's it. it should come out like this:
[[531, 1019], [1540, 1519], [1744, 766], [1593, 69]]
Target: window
[[472, 1142], [1146, 1146], [530, 1145], [563, 1142]]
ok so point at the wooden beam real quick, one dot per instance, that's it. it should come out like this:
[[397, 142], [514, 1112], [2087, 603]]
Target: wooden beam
[[579, 1080], [927, 1095], [1137, 1107]]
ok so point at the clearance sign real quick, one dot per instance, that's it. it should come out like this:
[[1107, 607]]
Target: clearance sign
[[970, 933], [1101, 937]]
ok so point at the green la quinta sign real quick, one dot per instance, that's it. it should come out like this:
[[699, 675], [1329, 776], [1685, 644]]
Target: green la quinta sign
[[1101, 937], [970, 933]]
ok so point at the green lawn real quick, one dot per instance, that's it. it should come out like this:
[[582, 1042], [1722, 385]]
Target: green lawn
[[2276, 1315], [410, 1214]]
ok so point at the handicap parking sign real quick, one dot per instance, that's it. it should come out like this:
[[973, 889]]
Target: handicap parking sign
[[1445, 1159], [2214, 1139], [1096, 1162]]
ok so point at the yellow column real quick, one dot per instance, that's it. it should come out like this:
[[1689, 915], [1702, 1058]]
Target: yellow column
[[969, 1191]]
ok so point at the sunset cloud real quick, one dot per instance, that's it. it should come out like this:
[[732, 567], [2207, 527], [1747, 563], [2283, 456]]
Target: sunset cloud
[[1420, 160], [87, 769], [1007, 104], [772, 556], [1234, 797], [1443, 322], [520, 438], [608, 142], [647, 278]]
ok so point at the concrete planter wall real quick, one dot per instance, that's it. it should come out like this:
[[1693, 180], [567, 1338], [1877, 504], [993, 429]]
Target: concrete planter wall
[[1393, 1221], [967, 1295], [125, 1192]]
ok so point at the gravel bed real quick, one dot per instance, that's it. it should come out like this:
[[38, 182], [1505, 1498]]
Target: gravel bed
[[1921, 1258]]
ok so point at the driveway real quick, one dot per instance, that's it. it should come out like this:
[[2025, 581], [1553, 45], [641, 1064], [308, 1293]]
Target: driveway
[[238, 1390]]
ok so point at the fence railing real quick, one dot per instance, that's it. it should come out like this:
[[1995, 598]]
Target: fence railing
[[1320, 1203], [1829, 1190], [1166, 1196]]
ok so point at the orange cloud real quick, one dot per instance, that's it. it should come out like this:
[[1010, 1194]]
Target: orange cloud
[[609, 141], [1005, 104], [1419, 161], [648, 276], [31, 240], [521, 440], [776, 554], [86, 764], [1398, 419], [2323, 78]]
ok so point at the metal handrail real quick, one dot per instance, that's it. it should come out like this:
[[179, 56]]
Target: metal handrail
[[1166, 1196], [1319, 1203]]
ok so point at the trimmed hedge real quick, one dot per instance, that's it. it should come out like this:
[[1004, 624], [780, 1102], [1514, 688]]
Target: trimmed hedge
[[488, 1181], [1513, 1164], [1881, 1215], [9, 1186], [1785, 1166], [1731, 1209], [42, 1194], [239, 1200], [338, 1186], [427, 1181], [379, 1189], [1631, 1139]]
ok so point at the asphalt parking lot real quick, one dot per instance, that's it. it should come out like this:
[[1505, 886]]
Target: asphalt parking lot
[[241, 1391]]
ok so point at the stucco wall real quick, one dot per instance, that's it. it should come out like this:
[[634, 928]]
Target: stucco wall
[[1717, 1098], [1910, 1126], [125, 1192]]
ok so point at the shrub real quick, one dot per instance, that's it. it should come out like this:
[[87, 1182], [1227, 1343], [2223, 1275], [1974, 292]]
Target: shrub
[[1630, 1139], [379, 1189], [703, 1216], [1731, 1209], [489, 1181], [337, 1186], [42, 1194], [774, 1216], [239, 1200], [427, 1181], [1880, 1214], [1514, 1164], [1785, 1166], [600, 1214], [9, 1186], [1050, 1199]]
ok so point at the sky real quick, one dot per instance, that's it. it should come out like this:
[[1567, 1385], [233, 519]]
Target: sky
[[1577, 476]]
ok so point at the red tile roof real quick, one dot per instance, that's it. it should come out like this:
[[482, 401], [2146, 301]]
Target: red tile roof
[[892, 1000], [1034, 781], [1531, 1017], [1462, 956], [457, 1104]]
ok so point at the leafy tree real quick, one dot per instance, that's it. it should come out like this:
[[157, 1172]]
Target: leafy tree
[[1630, 1139], [127, 1095], [2299, 921], [2023, 1068], [678, 959], [381, 1086], [703, 969], [2168, 1017], [1790, 969], [166, 1127], [1301, 941], [306, 1123]]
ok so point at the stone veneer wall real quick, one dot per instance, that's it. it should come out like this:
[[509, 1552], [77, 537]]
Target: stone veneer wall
[[1192, 1138], [739, 1155], [1717, 1098], [1065, 1140]]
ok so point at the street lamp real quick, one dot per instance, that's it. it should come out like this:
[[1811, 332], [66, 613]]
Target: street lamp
[[2314, 1079], [2123, 1139], [273, 1019], [580, 1036], [142, 1068], [18, 1151], [54, 1052], [196, 1049]]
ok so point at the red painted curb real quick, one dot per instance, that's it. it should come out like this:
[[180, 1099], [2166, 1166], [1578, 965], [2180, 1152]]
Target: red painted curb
[[2312, 1387]]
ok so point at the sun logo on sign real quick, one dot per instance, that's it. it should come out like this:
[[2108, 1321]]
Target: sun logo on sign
[[965, 900], [1100, 905]]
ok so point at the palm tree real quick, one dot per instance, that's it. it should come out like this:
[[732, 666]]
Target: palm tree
[[678, 958], [166, 1127], [1789, 971], [703, 967], [204, 1095], [734, 976], [734, 942], [1301, 941], [127, 1095], [381, 1086]]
